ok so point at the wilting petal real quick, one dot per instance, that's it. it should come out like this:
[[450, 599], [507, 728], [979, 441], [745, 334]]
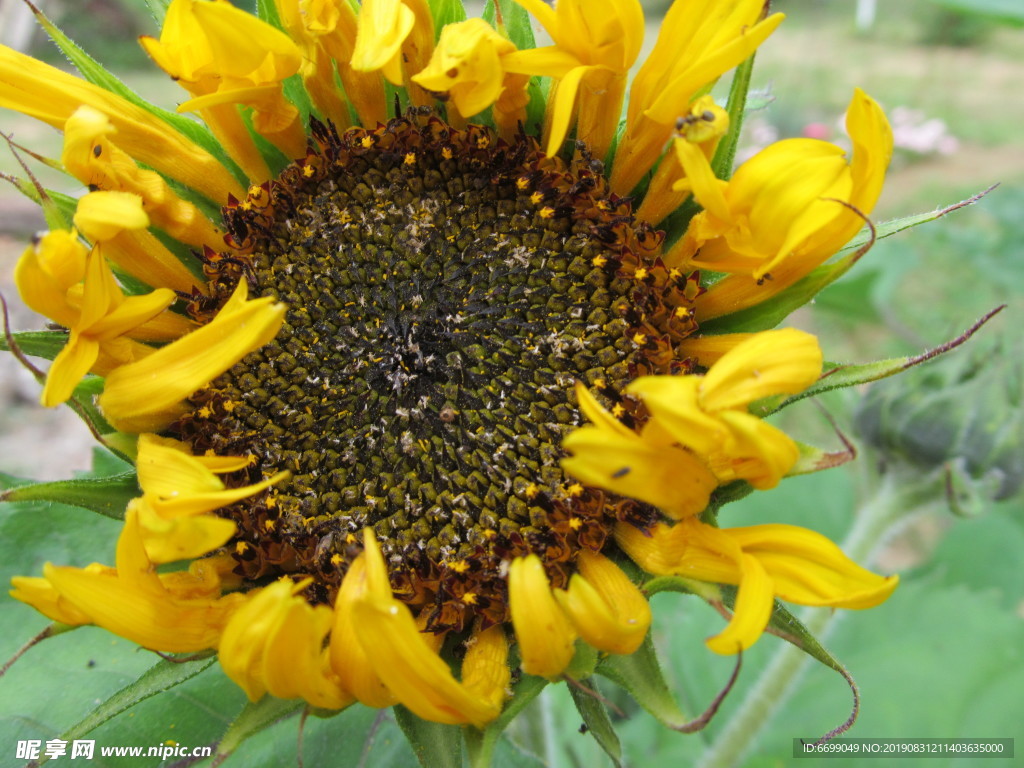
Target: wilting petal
[[485, 670], [607, 609], [137, 606], [274, 644]]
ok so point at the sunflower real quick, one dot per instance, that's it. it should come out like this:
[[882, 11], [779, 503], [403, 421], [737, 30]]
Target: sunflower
[[426, 342]]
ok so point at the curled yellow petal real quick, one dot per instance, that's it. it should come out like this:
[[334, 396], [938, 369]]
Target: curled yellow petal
[[545, 635], [751, 613], [274, 644], [137, 604], [92, 156], [485, 670], [348, 659], [607, 609]]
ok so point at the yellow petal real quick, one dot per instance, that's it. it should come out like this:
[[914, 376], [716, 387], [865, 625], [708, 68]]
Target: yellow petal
[[809, 569], [104, 215], [607, 609], [348, 659], [46, 93], [295, 662], [136, 605], [467, 62], [382, 28], [674, 403], [545, 635], [404, 660], [68, 369], [183, 538], [777, 362], [485, 670], [758, 452], [41, 595], [243, 641], [751, 613], [47, 270], [663, 475], [162, 380]]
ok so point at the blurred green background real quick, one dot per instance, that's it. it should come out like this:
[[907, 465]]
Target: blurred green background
[[944, 657]]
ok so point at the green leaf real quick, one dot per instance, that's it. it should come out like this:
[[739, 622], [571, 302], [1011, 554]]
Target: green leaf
[[480, 744], [44, 344], [640, 674], [161, 677], [107, 496], [436, 745], [446, 12], [725, 154], [595, 715], [257, 716]]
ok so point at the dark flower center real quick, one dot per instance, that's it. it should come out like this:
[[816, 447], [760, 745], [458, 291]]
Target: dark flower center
[[445, 290]]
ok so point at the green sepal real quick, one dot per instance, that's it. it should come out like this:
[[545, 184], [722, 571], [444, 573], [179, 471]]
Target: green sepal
[[725, 153], [44, 344], [158, 9], [255, 717], [893, 226], [515, 22], [295, 91], [726, 494], [436, 745], [583, 661], [446, 12], [792, 630], [785, 624], [640, 675], [97, 74], [814, 459], [595, 716], [480, 744], [58, 208], [838, 376], [266, 11], [161, 677], [107, 496]]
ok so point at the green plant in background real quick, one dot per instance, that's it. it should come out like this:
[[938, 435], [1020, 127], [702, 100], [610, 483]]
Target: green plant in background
[[504, 567]]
